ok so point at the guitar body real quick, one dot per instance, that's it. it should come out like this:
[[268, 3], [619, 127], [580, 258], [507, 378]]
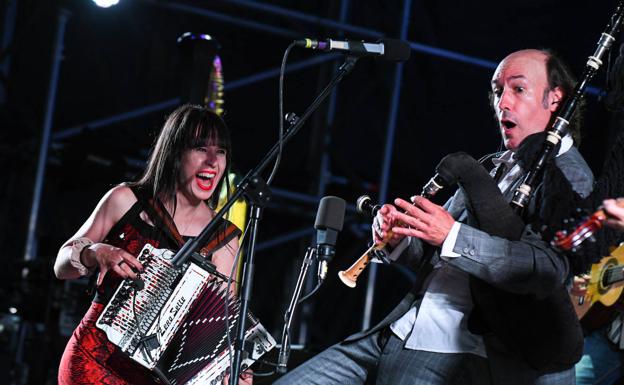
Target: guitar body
[[605, 284]]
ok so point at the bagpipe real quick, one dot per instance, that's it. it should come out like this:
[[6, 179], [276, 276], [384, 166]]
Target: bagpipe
[[458, 168]]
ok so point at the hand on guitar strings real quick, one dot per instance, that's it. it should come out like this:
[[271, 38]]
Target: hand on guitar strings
[[579, 285]]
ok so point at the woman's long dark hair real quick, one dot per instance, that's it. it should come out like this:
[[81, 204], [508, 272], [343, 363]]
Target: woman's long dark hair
[[188, 127]]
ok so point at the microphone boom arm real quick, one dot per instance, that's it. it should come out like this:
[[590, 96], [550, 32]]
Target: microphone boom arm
[[255, 189]]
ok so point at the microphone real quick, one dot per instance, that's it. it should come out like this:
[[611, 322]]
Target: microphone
[[364, 205], [387, 49], [137, 283], [329, 221]]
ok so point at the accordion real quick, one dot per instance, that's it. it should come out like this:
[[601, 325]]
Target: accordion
[[178, 324]]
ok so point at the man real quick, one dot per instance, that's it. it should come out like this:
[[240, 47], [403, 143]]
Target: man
[[426, 339]]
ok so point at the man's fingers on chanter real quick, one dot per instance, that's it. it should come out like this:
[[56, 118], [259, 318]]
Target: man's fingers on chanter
[[412, 232], [425, 204], [402, 203], [400, 231], [405, 219]]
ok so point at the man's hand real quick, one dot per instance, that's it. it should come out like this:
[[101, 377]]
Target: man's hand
[[425, 219], [384, 221], [613, 208]]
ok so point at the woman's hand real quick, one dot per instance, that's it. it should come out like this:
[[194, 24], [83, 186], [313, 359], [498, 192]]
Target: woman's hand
[[113, 258], [245, 378]]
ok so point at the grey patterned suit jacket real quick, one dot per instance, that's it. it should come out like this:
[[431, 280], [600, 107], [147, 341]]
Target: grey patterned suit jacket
[[528, 266]]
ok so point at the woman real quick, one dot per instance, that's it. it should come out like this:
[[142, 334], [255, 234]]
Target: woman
[[176, 195]]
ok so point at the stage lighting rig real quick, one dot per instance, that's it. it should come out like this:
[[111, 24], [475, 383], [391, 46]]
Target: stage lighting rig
[[105, 3]]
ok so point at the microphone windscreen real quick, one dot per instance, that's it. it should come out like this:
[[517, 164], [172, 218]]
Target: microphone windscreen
[[330, 214], [395, 50]]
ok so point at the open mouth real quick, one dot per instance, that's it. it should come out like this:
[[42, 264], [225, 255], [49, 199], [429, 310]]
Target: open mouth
[[508, 124], [205, 179]]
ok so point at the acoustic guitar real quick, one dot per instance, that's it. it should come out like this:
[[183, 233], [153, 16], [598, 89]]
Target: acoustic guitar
[[605, 284]]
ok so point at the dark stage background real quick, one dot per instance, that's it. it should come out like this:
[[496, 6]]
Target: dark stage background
[[123, 62]]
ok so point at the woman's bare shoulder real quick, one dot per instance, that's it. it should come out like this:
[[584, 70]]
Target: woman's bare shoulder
[[118, 200]]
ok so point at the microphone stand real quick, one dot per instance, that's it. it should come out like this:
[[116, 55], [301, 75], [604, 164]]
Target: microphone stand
[[284, 352], [258, 194]]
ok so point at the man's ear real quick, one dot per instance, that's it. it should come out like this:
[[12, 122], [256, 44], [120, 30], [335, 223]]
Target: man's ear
[[555, 97]]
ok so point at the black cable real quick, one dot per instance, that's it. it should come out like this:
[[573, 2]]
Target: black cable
[[281, 113], [311, 293], [260, 374], [263, 374], [263, 361]]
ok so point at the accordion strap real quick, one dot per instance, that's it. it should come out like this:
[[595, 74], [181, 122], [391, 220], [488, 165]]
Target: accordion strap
[[225, 232]]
